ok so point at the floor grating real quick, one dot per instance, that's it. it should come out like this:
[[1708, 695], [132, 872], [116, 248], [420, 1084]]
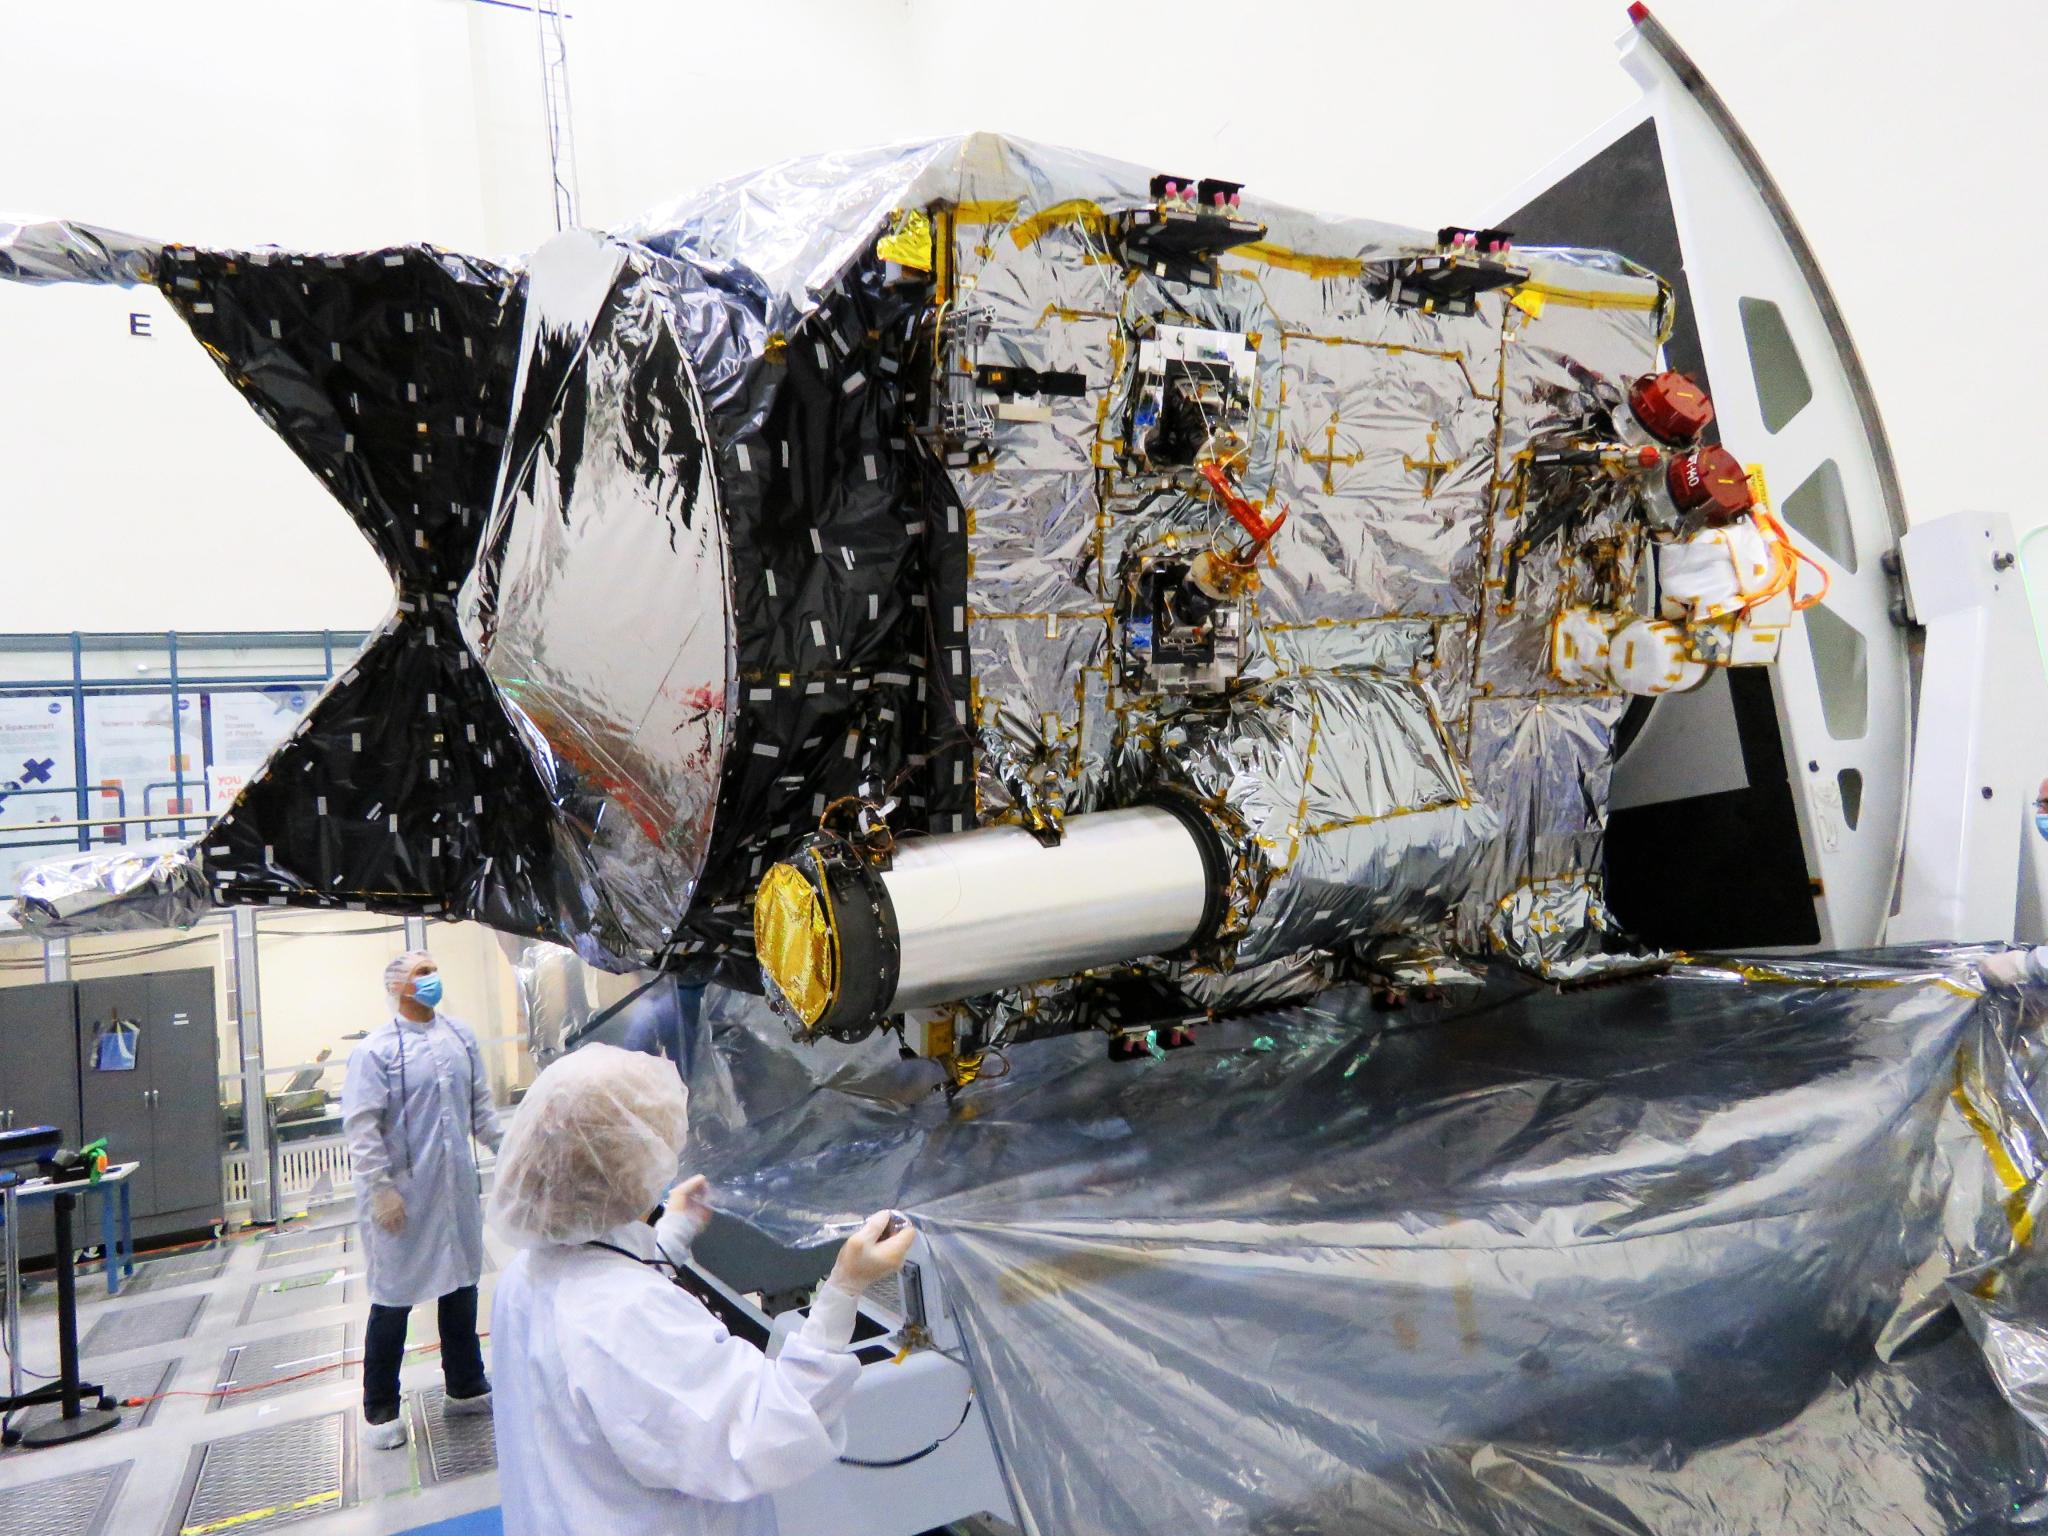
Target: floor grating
[[145, 1380], [264, 1478], [314, 1243], [156, 1322], [78, 1505], [270, 1299], [458, 1445], [268, 1368], [162, 1274]]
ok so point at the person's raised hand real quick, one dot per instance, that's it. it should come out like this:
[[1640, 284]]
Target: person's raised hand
[[873, 1253], [691, 1200], [2005, 971]]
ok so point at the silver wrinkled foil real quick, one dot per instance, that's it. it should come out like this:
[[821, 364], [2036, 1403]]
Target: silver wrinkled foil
[[1391, 440], [1561, 930], [1613, 1260], [1348, 811], [64, 251], [613, 514], [155, 884]]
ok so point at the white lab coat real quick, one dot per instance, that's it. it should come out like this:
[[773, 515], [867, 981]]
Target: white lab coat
[[623, 1405], [414, 1096]]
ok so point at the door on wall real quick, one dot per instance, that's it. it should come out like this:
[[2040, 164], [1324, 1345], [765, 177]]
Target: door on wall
[[38, 1083]]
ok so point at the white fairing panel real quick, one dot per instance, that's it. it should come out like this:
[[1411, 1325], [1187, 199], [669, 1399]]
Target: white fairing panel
[[1790, 397]]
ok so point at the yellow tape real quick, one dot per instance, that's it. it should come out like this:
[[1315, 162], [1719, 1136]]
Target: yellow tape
[[1586, 299], [1074, 211], [2018, 1216], [1751, 972], [254, 1515], [993, 212], [910, 244], [1306, 262]]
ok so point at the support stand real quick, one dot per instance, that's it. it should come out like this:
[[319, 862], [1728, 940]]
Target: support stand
[[76, 1421]]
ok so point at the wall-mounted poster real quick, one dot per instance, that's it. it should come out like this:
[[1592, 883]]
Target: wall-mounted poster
[[134, 757], [243, 727], [38, 783]]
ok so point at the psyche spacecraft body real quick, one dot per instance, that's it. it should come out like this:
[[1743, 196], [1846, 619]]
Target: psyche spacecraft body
[[980, 582]]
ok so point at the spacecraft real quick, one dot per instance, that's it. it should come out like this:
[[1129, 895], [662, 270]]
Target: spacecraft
[[983, 589]]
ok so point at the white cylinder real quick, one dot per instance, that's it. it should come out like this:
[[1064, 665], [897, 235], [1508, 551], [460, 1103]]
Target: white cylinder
[[1649, 657], [994, 908]]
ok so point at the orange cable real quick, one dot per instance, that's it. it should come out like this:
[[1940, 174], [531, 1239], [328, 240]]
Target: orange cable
[[276, 1381]]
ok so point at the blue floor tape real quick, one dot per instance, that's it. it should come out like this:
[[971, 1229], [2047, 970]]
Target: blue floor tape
[[485, 1522]]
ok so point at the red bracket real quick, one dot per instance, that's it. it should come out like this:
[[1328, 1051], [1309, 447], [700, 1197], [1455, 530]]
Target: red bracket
[[1246, 514]]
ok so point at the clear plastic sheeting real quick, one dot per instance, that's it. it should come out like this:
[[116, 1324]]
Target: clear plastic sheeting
[[1614, 1260], [554, 999], [790, 231], [62, 251], [156, 884], [1989, 1262]]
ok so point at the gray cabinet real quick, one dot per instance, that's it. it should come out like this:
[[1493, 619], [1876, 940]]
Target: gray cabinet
[[185, 1129], [165, 1110], [38, 1078]]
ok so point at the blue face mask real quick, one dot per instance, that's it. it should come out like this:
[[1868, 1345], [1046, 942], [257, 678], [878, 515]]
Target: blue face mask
[[2041, 822], [427, 990]]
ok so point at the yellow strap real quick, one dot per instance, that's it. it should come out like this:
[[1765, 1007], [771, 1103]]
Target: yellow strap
[[1752, 972], [1074, 211], [1308, 262], [1584, 298], [254, 1515], [991, 212], [2018, 1216]]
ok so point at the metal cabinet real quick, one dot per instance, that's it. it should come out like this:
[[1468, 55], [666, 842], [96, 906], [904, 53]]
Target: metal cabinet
[[185, 1128], [164, 1108], [38, 1079]]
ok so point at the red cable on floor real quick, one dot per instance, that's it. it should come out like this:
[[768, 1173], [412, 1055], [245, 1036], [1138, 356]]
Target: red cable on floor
[[275, 1381]]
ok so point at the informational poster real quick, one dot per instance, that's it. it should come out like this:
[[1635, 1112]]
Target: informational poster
[[222, 785], [243, 727], [38, 783], [135, 759]]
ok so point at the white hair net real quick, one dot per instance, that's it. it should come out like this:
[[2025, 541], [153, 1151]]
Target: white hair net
[[594, 1145], [399, 971]]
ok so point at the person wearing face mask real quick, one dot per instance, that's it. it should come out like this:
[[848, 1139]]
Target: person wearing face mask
[[2014, 969], [415, 1099]]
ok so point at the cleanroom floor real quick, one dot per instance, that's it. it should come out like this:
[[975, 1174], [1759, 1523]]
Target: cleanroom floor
[[284, 1307]]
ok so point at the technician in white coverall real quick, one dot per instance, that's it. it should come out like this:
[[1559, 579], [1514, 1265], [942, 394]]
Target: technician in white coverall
[[415, 1097], [622, 1403]]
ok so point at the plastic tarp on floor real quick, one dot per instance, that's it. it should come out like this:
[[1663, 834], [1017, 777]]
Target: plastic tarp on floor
[[1677, 1255]]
